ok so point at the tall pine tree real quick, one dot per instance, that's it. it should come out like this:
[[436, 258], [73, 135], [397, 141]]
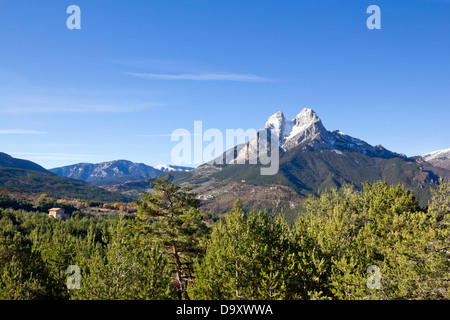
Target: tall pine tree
[[170, 215]]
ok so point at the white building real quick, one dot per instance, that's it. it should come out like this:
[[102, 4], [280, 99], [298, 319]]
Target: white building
[[57, 213]]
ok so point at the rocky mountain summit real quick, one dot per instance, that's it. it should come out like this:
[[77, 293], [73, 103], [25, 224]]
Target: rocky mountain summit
[[307, 131]]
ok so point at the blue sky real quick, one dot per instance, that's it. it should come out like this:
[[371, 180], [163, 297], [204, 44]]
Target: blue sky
[[137, 70]]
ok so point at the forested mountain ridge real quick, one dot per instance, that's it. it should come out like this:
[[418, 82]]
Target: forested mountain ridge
[[17, 175], [113, 172], [9, 162]]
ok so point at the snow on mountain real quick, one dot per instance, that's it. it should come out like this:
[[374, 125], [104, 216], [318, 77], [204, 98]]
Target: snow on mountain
[[306, 123], [439, 154], [171, 168], [280, 125], [439, 158], [106, 173], [114, 172], [309, 130], [306, 126]]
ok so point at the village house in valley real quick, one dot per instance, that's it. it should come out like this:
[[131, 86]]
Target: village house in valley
[[57, 213]]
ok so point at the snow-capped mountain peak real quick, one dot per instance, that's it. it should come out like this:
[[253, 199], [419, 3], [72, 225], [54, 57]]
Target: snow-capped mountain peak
[[306, 117], [444, 153], [171, 168], [279, 125], [306, 126], [307, 129]]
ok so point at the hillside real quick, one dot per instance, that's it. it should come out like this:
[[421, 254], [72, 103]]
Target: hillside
[[304, 172], [17, 175], [10, 162], [40, 182]]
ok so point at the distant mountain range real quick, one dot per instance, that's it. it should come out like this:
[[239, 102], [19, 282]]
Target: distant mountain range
[[311, 159], [113, 172], [79, 181]]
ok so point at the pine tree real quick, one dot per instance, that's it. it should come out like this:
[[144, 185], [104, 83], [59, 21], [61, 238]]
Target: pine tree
[[123, 268], [380, 226], [172, 218], [23, 274], [246, 258]]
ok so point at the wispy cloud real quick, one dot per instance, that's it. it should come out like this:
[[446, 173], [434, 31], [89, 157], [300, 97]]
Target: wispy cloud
[[35, 99], [51, 156], [18, 105], [20, 131], [203, 77], [158, 64], [164, 69]]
